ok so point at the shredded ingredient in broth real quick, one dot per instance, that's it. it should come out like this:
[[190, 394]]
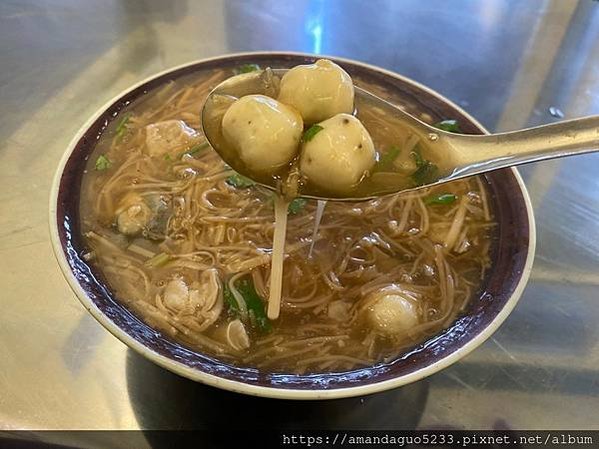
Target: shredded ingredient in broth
[[278, 254], [321, 204], [188, 246]]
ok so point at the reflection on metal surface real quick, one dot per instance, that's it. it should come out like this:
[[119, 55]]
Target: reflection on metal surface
[[556, 112], [81, 345], [185, 404], [537, 61], [60, 62]]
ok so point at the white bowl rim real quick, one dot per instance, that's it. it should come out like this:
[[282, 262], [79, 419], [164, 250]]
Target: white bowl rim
[[275, 392]]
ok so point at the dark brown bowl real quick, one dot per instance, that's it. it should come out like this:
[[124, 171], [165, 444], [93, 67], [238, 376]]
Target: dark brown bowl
[[512, 258]]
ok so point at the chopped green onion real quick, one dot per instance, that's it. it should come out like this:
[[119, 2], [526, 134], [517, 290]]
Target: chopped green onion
[[385, 163], [157, 261], [254, 303], [443, 198], [121, 127], [311, 132], [239, 181], [195, 149], [246, 68], [296, 206], [103, 163], [449, 126], [167, 157]]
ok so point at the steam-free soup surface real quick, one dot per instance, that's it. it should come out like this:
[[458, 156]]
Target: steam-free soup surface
[[186, 243]]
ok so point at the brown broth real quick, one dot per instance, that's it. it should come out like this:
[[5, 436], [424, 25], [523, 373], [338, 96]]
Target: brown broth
[[436, 253]]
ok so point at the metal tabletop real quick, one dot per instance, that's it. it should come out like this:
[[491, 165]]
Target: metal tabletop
[[509, 63]]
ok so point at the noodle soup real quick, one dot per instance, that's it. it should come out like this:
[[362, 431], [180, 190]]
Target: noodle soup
[[186, 244]]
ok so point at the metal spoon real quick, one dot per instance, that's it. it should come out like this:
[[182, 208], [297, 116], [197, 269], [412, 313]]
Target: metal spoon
[[454, 155]]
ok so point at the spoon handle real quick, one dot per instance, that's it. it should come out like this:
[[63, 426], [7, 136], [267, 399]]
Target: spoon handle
[[480, 153]]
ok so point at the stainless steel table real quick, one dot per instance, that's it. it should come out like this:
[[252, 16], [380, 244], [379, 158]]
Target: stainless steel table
[[508, 62]]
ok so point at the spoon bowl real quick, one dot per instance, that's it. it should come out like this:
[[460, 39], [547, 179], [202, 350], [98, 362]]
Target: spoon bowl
[[444, 156]]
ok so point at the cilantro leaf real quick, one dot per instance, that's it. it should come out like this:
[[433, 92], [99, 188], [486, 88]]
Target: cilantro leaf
[[246, 68], [296, 206], [425, 171], [255, 305], [253, 301], [239, 181], [449, 126], [103, 163], [121, 127], [417, 155]]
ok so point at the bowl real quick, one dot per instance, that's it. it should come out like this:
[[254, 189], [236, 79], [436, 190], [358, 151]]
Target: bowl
[[511, 259]]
